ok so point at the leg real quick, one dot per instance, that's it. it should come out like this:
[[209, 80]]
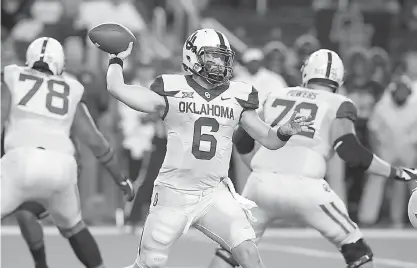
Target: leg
[[223, 258], [66, 212], [164, 224], [253, 191], [322, 209], [33, 234], [11, 196], [226, 224], [398, 203]]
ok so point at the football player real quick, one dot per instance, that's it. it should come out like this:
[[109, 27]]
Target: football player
[[289, 183], [42, 106], [200, 111]]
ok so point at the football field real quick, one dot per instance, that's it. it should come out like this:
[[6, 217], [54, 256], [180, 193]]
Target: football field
[[280, 248]]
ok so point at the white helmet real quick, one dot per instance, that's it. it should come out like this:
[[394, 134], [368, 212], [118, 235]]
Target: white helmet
[[202, 43], [323, 67], [48, 52]]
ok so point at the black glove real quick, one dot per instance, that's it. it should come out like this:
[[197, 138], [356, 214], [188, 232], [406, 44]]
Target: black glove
[[127, 187], [405, 174]]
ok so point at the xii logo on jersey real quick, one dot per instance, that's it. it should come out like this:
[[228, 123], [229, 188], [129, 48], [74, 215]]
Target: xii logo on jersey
[[187, 95]]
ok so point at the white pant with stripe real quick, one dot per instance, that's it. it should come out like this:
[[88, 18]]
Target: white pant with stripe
[[305, 200]]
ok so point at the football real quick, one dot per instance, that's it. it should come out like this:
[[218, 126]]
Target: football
[[112, 38]]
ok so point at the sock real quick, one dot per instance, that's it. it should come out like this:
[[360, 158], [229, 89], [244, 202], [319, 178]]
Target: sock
[[86, 249], [33, 234], [39, 257]]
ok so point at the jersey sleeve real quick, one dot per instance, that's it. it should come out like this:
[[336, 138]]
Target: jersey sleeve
[[8, 73], [158, 87], [347, 110], [252, 101]]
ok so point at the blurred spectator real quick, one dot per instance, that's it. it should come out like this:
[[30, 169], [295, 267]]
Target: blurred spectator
[[304, 45], [349, 28], [395, 141], [410, 60], [12, 11], [380, 68], [255, 74], [276, 60]]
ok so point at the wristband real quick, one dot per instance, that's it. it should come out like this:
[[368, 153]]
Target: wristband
[[116, 60], [282, 137]]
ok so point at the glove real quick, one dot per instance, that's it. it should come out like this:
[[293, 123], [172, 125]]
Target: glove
[[124, 54], [127, 187], [405, 174], [296, 124]]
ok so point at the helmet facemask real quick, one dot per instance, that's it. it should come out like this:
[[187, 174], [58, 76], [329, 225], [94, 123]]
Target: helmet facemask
[[216, 64]]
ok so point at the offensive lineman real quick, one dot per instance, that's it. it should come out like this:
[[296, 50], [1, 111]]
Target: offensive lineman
[[42, 106], [289, 183], [200, 112]]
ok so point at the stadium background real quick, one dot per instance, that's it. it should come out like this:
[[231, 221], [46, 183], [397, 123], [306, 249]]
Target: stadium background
[[376, 38]]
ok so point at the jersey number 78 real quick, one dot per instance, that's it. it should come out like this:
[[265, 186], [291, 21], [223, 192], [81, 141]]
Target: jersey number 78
[[52, 93]]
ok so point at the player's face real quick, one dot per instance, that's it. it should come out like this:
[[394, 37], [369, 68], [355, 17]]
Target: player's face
[[215, 65]]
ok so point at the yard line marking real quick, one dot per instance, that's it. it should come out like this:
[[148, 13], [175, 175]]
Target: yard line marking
[[302, 233], [330, 255]]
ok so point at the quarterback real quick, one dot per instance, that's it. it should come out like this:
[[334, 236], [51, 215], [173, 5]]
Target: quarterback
[[289, 183], [41, 106], [200, 111]]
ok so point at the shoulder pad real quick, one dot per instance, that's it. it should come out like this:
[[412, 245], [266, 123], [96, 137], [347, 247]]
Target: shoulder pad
[[8, 72], [159, 85], [247, 96], [347, 110]]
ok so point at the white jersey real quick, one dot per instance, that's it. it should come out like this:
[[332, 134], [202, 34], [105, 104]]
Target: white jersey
[[305, 154], [42, 109], [200, 124]]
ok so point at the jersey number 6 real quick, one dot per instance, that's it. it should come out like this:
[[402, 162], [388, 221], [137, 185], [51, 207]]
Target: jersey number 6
[[288, 105], [198, 138], [51, 84]]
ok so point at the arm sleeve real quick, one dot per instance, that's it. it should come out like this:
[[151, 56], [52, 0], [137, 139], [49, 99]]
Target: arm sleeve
[[243, 141], [252, 103], [347, 110]]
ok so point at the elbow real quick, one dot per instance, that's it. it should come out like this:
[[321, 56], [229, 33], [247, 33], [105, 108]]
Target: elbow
[[273, 145]]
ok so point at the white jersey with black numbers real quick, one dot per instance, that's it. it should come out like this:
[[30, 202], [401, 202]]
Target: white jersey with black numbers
[[42, 109], [305, 154], [200, 124]]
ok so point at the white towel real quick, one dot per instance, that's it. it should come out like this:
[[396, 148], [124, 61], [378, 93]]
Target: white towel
[[244, 203]]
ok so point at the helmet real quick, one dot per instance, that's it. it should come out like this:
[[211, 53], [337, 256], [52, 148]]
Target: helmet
[[323, 67], [47, 53], [207, 53]]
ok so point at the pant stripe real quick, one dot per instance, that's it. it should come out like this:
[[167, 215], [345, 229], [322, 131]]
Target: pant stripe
[[343, 215], [323, 207]]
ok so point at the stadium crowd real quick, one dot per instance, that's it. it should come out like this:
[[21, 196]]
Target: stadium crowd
[[381, 78]]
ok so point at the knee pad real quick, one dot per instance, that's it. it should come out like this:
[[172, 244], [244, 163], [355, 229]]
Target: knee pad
[[152, 259], [68, 232], [226, 256], [356, 254]]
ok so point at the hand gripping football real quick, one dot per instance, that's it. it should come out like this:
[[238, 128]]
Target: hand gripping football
[[112, 38]]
